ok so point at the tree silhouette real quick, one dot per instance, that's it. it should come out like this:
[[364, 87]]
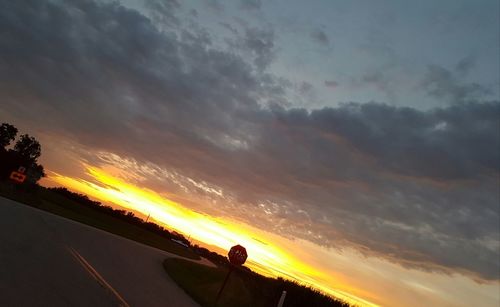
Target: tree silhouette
[[35, 173], [7, 134], [25, 153], [28, 148]]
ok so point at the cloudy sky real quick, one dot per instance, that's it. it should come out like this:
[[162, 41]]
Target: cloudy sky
[[364, 134]]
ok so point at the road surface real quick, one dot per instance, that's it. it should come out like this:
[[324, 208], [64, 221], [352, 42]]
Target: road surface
[[47, 260]]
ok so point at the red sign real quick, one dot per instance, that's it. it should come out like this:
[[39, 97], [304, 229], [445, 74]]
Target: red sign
[[237, 255], [18, 176]]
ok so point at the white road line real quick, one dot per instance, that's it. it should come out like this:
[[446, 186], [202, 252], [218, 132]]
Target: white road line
[[97, 276]]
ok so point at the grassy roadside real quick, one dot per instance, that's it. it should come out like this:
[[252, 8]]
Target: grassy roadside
[[244, 288], [202, 283], [57, 204]]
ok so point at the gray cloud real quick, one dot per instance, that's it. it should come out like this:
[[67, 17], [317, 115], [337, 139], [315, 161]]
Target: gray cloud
[[305, 87], [255, 43], [193, 13], [250, 4], [320, 37], [376, 79], [465, 65], [331, 83], [214, 5], [442, 83], [229, 27], [419, 188], [260, 42], [164, 11]]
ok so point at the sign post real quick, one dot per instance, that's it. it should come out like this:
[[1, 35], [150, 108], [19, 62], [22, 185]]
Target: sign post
[[282, 299], [237, 256]]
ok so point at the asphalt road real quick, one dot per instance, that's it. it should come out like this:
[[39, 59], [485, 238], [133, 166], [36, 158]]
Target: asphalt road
[[47, 260]]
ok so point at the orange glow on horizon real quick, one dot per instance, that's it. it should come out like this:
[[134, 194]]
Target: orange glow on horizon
[[269, 258]]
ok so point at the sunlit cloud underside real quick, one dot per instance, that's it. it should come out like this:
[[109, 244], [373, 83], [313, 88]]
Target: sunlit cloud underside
[[265, 254]]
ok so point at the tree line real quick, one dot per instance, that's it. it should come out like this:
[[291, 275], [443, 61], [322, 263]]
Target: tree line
[[120, 214], [23, 154]]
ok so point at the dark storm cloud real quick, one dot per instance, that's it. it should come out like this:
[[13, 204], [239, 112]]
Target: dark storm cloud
[[417, 187], [434, 144]]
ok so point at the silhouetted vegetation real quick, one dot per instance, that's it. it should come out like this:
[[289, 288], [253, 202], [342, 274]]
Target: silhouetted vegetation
[[24, 154], [210, 255], [7, 134], [123, 215]]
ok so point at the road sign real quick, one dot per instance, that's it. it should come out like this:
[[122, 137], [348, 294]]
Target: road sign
[[237, 255], [18, 176]]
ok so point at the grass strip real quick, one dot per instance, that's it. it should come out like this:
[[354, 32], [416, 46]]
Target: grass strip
[[202, 283]]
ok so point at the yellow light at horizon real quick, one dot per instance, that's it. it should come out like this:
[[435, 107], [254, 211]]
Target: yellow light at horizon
[[267, 259]]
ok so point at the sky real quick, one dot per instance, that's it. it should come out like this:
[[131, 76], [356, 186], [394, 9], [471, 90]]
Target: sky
[[351, 145]]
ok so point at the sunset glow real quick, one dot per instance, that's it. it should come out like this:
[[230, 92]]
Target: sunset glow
[[266, 258]]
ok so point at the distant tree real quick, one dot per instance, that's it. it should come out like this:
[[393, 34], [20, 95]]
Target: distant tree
[[7, 134], [28, 148], [25, 153], [35, 173]]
